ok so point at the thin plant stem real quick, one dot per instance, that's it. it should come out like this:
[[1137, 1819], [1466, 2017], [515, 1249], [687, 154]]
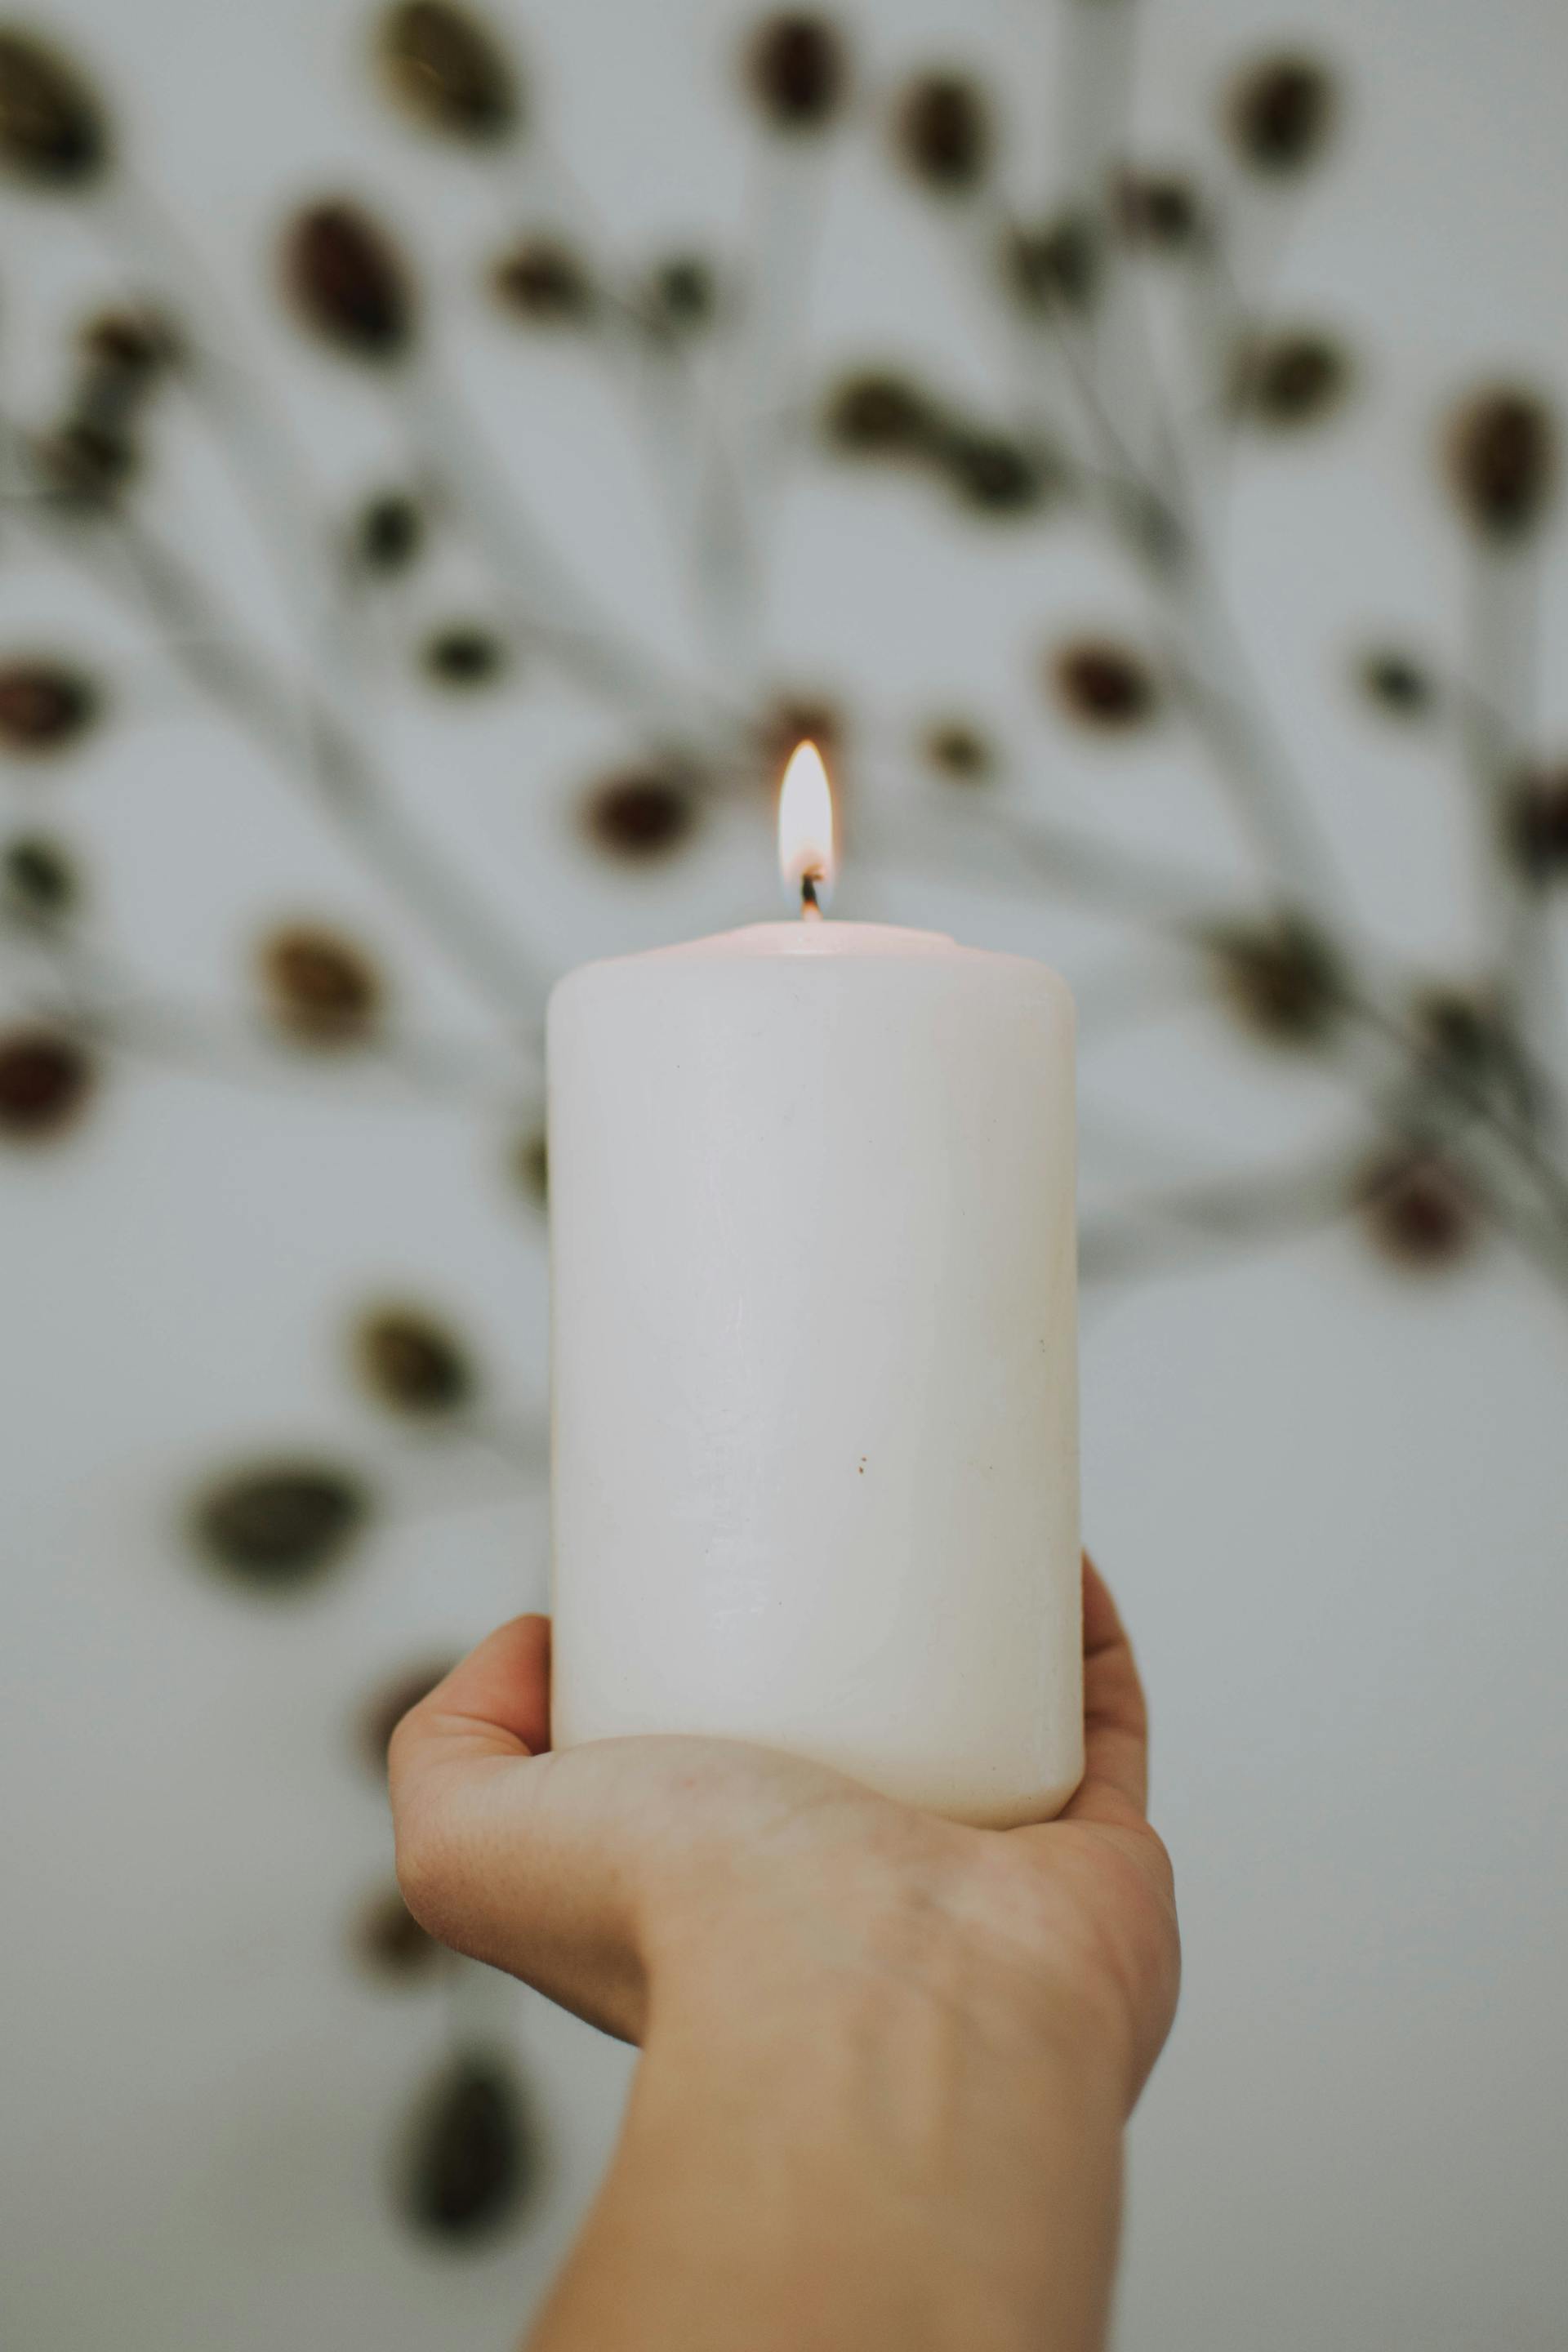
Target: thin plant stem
[[310, 742]]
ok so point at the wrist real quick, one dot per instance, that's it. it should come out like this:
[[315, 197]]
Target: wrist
[[882, 2133], [878, 1956]]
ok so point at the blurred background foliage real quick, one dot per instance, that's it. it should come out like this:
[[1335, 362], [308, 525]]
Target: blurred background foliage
[[417, 575]]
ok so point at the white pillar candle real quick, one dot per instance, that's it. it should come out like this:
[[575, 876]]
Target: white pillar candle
[[815, 1359]]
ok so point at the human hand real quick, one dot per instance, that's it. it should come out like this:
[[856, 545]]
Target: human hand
[[630, 1876]]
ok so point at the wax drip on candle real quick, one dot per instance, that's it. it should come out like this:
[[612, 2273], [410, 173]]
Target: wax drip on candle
[[805, 831]]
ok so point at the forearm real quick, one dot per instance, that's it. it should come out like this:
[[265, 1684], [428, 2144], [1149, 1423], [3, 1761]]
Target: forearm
[[854, 2159]]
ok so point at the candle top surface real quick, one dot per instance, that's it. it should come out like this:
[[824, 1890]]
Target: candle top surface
[[805, 937], [824, 942]]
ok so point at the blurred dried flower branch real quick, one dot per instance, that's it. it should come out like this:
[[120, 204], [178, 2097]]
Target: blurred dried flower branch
[[1454, 1125]]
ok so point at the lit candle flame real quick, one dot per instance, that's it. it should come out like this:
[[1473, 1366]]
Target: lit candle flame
[[806, 828]]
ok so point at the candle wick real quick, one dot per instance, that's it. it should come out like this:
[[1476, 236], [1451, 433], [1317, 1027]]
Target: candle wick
[[810, 907]]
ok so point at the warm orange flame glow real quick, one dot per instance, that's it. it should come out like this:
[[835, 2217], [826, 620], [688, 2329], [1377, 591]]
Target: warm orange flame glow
[[805, 822]]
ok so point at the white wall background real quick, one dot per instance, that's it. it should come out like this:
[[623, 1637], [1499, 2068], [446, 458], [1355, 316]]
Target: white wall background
[[1332, 1500]]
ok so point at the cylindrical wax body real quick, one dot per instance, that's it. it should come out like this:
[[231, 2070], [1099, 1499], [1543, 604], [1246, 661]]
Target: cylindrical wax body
[[814, 1383]]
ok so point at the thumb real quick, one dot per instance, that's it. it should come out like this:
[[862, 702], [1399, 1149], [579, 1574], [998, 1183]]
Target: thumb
[[501, 1853]]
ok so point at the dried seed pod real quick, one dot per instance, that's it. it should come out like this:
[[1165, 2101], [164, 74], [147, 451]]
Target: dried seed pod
[[1466, 1036], [1536, 825], [1161, 212], [389, 1943], [1396, 682], [1502, 460], [1280, 113], [412, 1363], [348, 282], [642, 814], [542, 281], [464, 654], [1417, 1209], [1281, 980], [388, 532], [281, 1523], [959, 750], [387, 1707], [44, 705], [531, 1166], [322, 988], [45, 1082], [140, 343], [680, 295], [797, 70], [1459, 1030], [994, 476], [942, 131], [794, 717], [85, 464], [471, 2159], [40, 878], [1055, 266], [1103, 684], [879, 414], [1291, 378], [450, 71], [53, 133]]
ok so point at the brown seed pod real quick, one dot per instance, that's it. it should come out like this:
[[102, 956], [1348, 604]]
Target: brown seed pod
[[680, 295], [1280, 113], [387, 1707], [1160, 212], [388, 532], [1280, 980], [411, 1362], [1418, 1210], [322, 988], [794, 717], [1501, 446], [448, 71], [542, 281], [1055, 266], [876, 413], [281, 1523], [531, 1166], [130, 341], [797, 70], [1458, 1029], [1396, 682], [1103, 684], [943, 131], [464, 654], [40, 880], [45, 1082], [640, 815], [960, 751], [44, 705], [389, 1943], [84, 463], [53, 131], [993, 475], [139, 342], [1466, 1036], [1536, 825], [347, 281], [471, 2161], [1295, 377]]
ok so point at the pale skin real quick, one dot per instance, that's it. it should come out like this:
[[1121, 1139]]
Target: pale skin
[[887, 2060]]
